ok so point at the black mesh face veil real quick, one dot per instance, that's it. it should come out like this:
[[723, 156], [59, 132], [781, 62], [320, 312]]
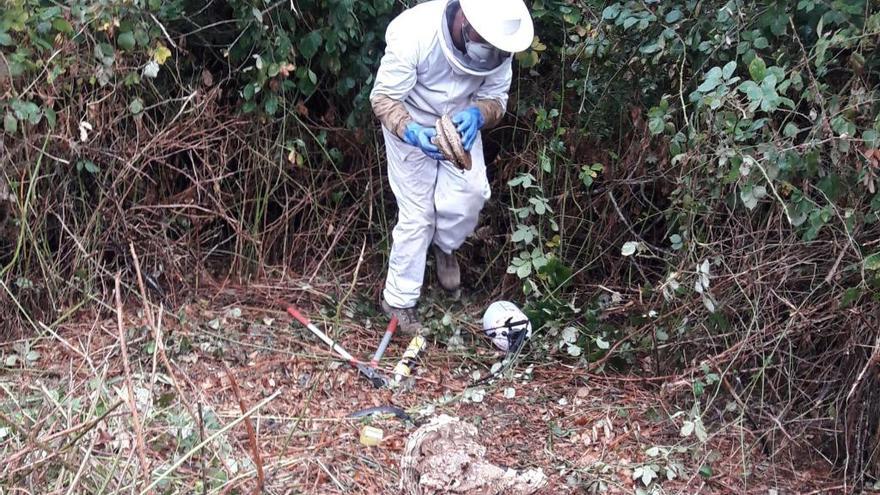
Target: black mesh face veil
[[517, 331], [461, 58]]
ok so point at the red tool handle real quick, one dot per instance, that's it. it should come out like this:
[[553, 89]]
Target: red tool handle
[[386, 339], [392, 325], [299, 316]]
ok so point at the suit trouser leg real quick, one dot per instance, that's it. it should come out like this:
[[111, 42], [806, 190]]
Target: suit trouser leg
[[458, 199], [412, 176], [435, 201]]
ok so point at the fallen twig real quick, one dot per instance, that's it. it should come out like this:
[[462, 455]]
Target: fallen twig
[[252, 436], [138, 430], [203, 468]]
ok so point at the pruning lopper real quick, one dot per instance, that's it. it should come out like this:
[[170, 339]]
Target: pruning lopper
[[369, 370]]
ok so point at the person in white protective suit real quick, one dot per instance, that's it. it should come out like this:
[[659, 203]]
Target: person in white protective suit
[[448, 57]]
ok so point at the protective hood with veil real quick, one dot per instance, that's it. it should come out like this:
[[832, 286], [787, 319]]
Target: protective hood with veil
[[459, 60]]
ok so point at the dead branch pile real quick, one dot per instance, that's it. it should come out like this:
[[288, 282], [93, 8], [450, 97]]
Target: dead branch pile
[[201, 193]]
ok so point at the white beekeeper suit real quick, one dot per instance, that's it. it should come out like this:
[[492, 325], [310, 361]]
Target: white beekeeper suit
[[422, 69]]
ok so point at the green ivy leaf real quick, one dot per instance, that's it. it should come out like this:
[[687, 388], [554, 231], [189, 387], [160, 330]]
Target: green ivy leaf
[[630, 22], [843, 127], [728, 70], [10, 124], [271, 105], [656, 125], [87, 165], [61, 25], [770, 99], [49, 13], [706, 471], [752, 91], [26, 110], [249, 91], [822, 45], [653, 47], [136, 106], [141, 36], [309, 44], [758, 69], [850, 296], [872, 262], [751, 195], [528, 59], [51, 117], [713, 79], [673, 16], [125, 40], [611, 12], [105, 53]]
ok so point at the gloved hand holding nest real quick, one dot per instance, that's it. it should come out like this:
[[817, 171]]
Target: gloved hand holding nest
[[449, 141]]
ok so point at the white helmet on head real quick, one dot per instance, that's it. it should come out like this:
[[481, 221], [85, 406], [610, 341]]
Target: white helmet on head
[[506, 325], [504, 24]]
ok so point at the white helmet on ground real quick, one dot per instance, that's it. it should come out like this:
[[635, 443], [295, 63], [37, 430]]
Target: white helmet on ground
[[504, 24], [506, 325]]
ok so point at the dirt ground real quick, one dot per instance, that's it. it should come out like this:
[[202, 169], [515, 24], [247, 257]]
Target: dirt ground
[[68, 424]]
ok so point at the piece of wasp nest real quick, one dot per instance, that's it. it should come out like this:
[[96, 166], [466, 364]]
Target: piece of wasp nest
[[449, 142]]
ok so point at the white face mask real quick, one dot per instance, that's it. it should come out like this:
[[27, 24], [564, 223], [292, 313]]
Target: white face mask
[[481, 53]]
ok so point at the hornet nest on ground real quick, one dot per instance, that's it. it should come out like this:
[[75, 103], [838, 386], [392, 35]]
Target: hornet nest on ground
[[444, 457]]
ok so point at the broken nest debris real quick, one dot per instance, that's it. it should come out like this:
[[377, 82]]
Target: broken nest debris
[[443, 457]]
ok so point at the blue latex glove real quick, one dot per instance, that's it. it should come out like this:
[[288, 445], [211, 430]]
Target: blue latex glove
[[468, 122], [419, 136]]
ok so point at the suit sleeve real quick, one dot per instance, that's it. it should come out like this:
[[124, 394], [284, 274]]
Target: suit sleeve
[[395, 78]]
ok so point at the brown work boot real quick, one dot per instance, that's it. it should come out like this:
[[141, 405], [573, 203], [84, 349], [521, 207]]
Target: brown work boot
[[408, 322], [448, 271]]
